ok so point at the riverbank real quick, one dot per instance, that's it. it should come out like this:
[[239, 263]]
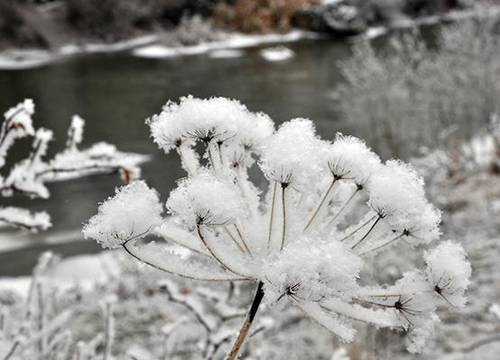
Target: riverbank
[[184, 41], [51, 24]]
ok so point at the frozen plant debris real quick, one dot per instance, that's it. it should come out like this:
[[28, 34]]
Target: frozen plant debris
[[17, 124], [23, 218], [326, 209], [29, 176]]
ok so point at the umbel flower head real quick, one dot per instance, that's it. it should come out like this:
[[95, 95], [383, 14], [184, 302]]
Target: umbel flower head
[[304, 238], [130, 214]]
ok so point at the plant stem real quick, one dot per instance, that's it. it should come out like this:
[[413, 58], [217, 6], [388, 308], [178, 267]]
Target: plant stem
[[234, 239], [283, 205], [383, 245], [320, 205], [343, 207], [108, 338], [358, 228], [367, 233], [12, 350], [220, 153], [210, 157], [242, 239], [271, 221], [130, 252], [189, 167], [245, 327], [212, 252]]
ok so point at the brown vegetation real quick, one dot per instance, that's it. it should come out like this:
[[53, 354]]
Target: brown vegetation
[[258, 16]]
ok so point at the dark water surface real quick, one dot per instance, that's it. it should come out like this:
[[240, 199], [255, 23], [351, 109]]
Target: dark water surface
[[116, 92]]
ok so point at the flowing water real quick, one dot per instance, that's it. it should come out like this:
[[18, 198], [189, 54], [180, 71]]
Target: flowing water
[[116, 92]]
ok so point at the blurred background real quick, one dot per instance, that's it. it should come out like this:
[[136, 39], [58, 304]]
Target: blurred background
[[417, 79]]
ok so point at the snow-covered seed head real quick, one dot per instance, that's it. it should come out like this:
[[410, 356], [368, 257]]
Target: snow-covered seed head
[[449, 272], [130, 214], [309, 269], [253, 130], [397, 193], [349, 158], [291, 156], [214, 120], [415, 301], [205, 200], [167, 130]]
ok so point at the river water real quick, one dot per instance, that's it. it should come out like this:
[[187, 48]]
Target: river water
[[116, 92]]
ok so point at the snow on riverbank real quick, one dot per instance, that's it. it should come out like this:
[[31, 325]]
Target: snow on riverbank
[[232, 41], [149, 47], [32, 58], [25, 59]]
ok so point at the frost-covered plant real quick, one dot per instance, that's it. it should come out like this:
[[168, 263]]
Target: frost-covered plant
[[446, 168], [38, 324], [30, 175], [34, 329], [329, 206], [431, 96]]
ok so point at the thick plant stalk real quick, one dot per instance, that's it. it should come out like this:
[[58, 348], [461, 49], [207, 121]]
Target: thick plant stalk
[[283, 208], [247, 324]]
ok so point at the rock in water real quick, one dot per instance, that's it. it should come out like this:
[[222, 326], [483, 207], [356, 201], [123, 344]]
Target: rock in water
[[336, 18]]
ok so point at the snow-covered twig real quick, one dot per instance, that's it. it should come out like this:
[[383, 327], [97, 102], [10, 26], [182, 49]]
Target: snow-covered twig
[[29, 176]]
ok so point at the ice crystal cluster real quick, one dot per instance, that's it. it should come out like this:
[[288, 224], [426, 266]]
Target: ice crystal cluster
[[304, 230], [30, 175]]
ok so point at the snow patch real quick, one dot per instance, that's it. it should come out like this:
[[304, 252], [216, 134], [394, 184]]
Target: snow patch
[[225, 54], [34, 58], [277, 53], [375, 32], [84, 270]]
